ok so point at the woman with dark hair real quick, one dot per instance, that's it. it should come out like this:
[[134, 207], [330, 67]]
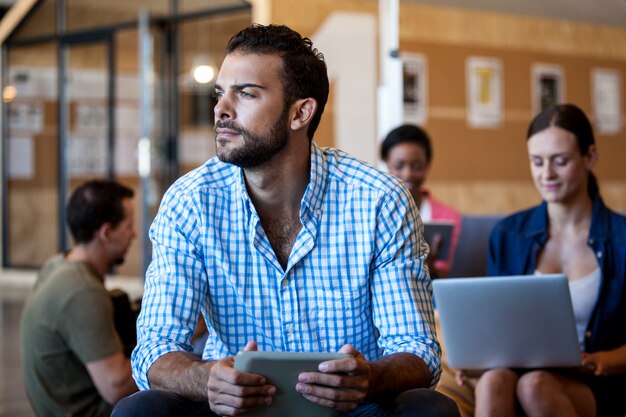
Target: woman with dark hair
[[574, 233], [407, 151]]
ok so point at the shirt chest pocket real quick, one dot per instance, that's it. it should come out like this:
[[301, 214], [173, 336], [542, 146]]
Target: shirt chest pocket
[[341, 315]]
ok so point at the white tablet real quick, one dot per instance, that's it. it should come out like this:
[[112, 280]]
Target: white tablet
[[282, 370]]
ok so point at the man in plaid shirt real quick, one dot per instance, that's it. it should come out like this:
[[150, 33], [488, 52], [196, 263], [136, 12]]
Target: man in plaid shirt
[[285, 246]]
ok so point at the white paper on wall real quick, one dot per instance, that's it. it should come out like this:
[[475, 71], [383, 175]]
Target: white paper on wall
[[548, 87], [484, 92], [21, 158], [414, 88], [607, 100]]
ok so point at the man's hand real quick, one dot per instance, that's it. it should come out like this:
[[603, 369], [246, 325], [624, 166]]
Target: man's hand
[[232, 393], [341, 384]]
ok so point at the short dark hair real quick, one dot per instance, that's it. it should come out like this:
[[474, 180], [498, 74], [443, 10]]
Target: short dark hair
[[93, 204], [571, 118], [304, 72], [403, 134]]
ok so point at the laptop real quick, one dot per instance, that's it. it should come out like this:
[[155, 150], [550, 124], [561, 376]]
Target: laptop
[[523, 321]]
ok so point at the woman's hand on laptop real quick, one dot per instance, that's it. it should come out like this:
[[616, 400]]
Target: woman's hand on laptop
[[609, 362], [461, 375]]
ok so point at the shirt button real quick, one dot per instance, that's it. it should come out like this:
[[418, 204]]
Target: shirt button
[[591, 241], [289, 328], [599, 254], [588, 333], [285, 282]]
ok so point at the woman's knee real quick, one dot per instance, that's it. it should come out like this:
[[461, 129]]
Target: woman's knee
[[497, 380], [545, 392], [535, 386]]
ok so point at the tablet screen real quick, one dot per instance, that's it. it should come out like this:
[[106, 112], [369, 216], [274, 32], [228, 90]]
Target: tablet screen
[[444, 229], [282, 370]]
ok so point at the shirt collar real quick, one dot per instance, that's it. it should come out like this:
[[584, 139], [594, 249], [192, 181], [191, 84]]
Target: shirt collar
[[313, 195], [314, 192], [538, 224], [600, 214]]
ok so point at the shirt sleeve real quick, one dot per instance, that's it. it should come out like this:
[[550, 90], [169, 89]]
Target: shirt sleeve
[[401, 287], [87, 323], [174, 285]]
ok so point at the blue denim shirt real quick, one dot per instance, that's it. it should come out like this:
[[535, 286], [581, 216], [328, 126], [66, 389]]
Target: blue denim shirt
[[516, 240]]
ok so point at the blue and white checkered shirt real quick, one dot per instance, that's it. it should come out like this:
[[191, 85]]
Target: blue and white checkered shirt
[[355, 274]]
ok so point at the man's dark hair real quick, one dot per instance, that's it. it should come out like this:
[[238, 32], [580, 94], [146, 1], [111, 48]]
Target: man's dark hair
[[406, 134], [304, 72], [93, 204]]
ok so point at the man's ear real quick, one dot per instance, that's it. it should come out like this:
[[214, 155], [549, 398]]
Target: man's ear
[[303, 111], [104, 232]]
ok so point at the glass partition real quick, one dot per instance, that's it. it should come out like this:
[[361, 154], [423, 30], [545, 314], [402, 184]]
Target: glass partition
[[90, 14], [191, 6], [31, 99], [72, 110], [203, 44]]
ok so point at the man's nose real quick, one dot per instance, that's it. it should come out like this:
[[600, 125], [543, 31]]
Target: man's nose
[[223, 110]]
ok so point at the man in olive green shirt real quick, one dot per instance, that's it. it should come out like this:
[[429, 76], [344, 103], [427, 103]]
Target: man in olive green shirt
[[72, 357]]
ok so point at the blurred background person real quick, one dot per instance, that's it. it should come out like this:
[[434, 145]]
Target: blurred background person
[[73, 358], [408, 153]]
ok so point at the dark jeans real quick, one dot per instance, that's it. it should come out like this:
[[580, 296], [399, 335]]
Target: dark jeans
[[414, 403]]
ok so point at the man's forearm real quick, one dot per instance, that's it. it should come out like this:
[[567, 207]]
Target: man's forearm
[[180, 372], [397, 373]]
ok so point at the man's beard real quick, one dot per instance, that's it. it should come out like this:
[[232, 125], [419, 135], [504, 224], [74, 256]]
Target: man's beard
[[257, 149]]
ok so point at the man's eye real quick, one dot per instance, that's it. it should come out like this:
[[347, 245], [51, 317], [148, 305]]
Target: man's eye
[[218, 94]]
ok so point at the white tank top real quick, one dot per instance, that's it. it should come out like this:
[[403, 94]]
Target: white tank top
[[584, 292]]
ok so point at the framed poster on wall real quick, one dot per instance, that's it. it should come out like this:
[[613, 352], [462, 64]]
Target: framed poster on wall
[[606, 87], [484, 92], [547, 87], [414, 84]]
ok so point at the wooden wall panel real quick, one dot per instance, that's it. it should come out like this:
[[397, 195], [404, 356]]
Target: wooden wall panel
[[486, 170], [464, 153]]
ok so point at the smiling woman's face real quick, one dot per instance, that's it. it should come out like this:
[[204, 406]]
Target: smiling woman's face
[[559, 170], [408, 162]]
